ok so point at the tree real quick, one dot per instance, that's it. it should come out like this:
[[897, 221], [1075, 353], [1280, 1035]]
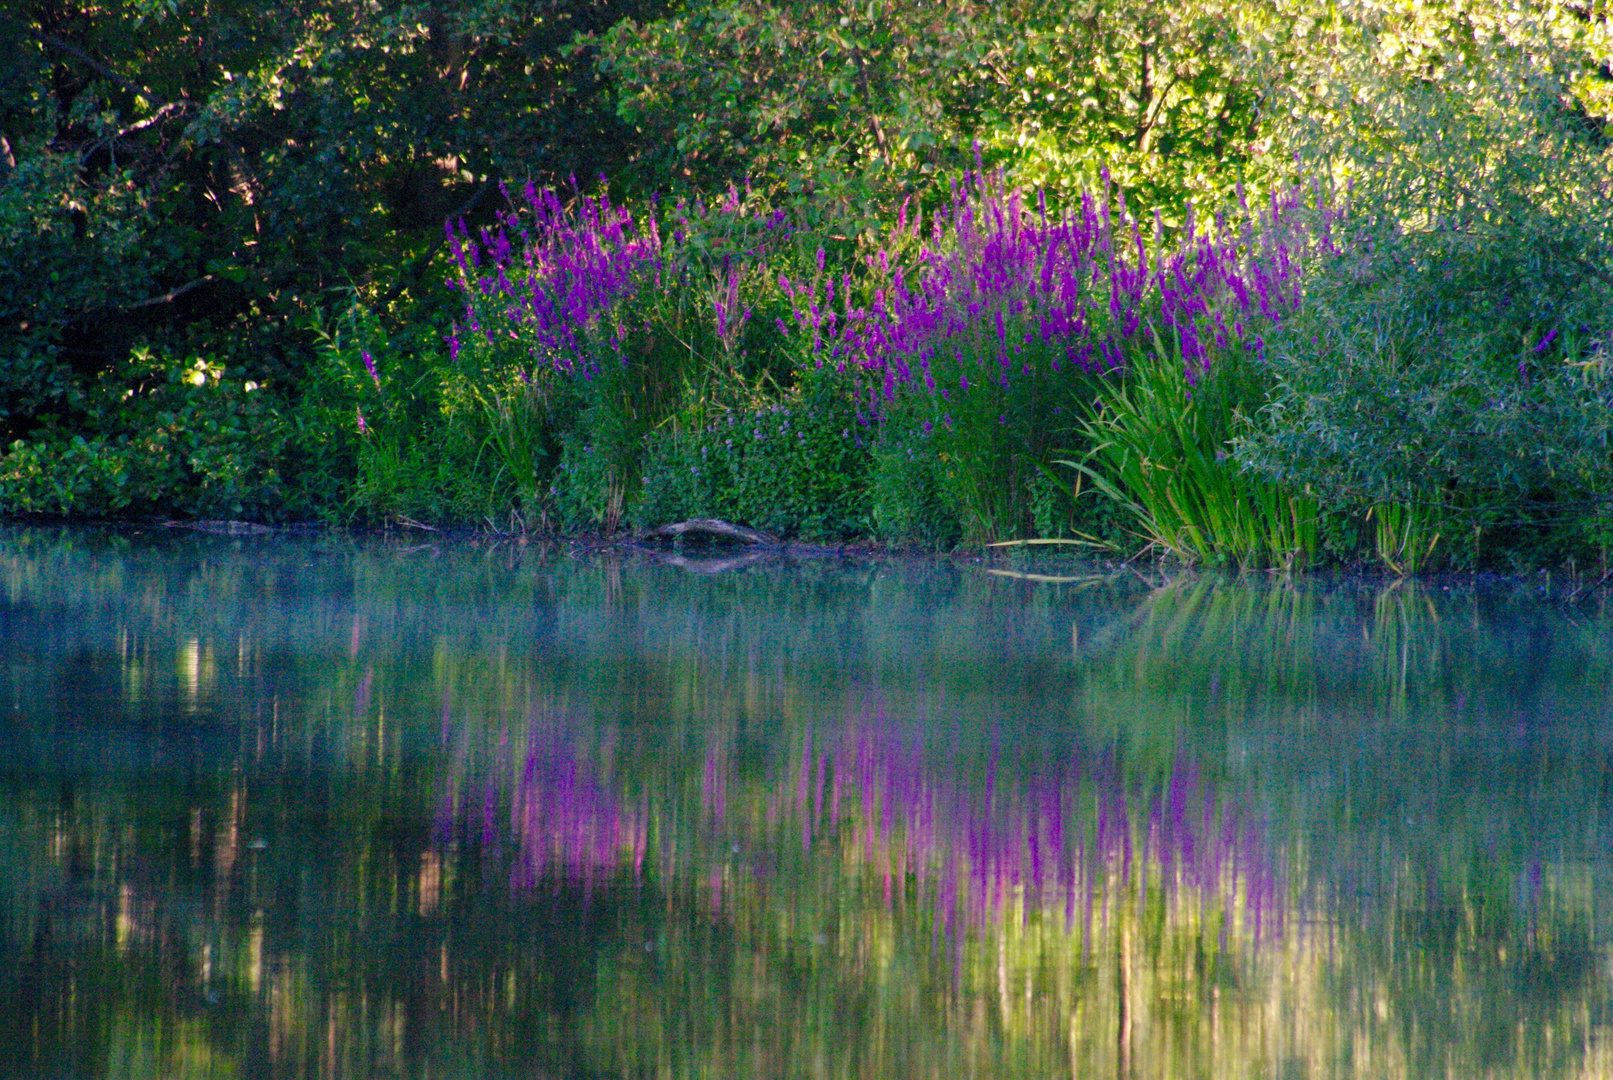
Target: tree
[[197, 172], [887, 97]]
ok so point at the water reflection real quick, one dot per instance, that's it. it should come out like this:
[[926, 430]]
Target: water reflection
[[565, 821], [298, 808]]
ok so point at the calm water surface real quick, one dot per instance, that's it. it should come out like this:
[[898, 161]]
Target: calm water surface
[[322, 807]]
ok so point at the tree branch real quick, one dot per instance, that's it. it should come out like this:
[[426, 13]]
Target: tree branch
[[1151, 117], [170, 296], [151, 301], [173, 108], [94, 65]]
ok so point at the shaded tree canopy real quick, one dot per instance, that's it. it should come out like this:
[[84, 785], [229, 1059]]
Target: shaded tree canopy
[[180, 167]]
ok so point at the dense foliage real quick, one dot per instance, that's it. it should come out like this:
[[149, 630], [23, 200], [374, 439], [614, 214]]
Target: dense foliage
[[1249, 283], [210, 181]]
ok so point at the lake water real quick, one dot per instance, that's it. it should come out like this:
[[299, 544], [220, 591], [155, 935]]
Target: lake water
[[327, 807]]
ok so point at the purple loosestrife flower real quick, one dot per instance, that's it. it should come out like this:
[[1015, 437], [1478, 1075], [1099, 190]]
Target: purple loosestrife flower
[[569, 270], [369, 366], [1006, 263]]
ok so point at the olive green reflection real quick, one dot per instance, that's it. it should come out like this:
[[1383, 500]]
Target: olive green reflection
[[317, 807]]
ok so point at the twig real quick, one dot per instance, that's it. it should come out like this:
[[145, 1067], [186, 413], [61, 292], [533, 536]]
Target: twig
[[1571, 597], [1049, 579], [1048, 541], [168, 297], [152, 301]]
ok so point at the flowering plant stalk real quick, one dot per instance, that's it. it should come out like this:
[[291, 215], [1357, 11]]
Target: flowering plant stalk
[[991, 343], [605, 324]]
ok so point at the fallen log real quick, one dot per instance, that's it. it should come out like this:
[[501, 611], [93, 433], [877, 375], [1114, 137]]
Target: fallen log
[[716, 528]]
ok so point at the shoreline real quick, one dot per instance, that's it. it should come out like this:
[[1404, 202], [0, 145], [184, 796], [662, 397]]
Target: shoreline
[[1561, 585]]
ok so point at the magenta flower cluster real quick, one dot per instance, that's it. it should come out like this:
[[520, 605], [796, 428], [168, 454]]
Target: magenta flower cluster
[[1001, 290], [997, 290], [564, 271], [551, 278]]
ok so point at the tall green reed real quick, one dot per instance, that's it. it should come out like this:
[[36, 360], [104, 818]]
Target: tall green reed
[[1160, 449]]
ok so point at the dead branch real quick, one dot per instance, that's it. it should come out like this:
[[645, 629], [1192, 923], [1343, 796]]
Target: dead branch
[[714, 527], [168, 297]]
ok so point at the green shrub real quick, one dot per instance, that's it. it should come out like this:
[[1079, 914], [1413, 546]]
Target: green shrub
[[909, 506], [797, 467], [1444, 393], [1450, 385], [588, 492], [163, 437], [391, 428], [591, 329]]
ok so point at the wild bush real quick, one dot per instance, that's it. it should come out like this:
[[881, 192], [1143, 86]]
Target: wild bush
[[165, 436], [1009, 338], [1447, 380], [615, 325]]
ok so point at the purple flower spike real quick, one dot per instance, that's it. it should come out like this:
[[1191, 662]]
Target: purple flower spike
[[1046, 292]]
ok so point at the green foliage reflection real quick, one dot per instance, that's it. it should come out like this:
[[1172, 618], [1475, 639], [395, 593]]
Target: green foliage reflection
[[290, 806]]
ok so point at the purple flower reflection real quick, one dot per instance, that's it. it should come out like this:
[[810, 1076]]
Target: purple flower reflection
[[980, 849], [566, 823]]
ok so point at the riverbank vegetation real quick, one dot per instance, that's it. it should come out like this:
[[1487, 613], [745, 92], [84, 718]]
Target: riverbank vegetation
[[1249, 284]]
